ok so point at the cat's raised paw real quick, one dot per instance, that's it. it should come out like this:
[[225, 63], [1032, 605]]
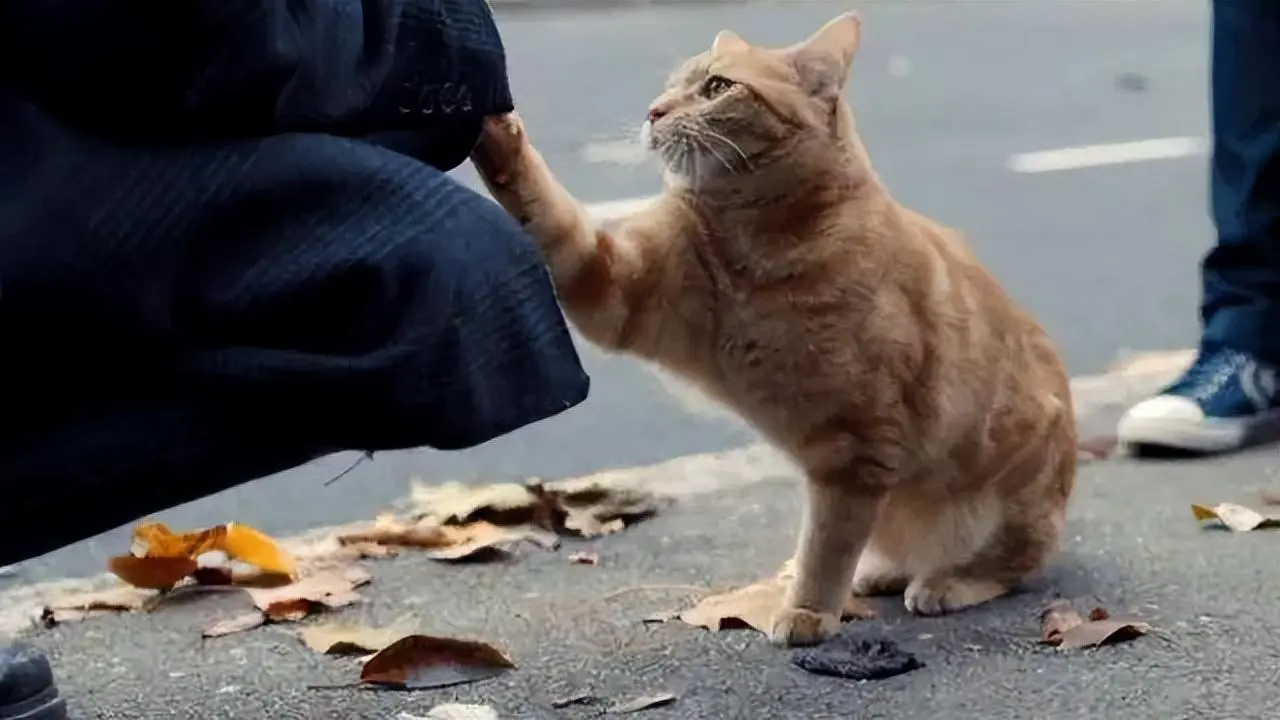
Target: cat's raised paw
[[937, 596], [498, 152], [797, 627]]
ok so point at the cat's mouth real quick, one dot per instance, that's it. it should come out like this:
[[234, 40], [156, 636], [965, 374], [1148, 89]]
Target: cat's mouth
[[694, 150]]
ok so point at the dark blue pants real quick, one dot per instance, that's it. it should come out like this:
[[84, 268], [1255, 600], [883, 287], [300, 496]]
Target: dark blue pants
[[1241, 307]]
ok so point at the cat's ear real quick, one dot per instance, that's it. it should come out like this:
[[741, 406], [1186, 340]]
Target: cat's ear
[[825, 59], [727, 42]]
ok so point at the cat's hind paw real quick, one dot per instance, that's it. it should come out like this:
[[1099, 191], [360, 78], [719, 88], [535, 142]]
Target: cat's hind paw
[[798, 627], [937, 596]]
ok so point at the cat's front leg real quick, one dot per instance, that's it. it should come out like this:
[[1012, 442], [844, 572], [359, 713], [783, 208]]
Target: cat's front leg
[[609, 281], [837, 524]]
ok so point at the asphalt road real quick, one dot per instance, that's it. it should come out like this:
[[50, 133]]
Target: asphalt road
[[946, 93], [576, 629]]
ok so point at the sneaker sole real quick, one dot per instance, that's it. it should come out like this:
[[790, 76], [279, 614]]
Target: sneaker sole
[[1217, 435], [48, 705]]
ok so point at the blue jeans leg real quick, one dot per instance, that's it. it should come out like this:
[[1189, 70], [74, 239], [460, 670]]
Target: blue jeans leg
[[1241, 275]]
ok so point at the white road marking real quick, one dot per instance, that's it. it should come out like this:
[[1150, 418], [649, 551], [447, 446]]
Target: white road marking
[[1087, 156]]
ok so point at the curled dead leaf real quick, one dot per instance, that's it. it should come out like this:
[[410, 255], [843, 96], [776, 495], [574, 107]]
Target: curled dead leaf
[[644, 702], [253, 547], [1056, 619], [424, 661], [584, 558], [1063, 627], [753, 606], [1236, 518], [348, 638], [391, 532], [325, 590], [72, 608], [238, 624], [485, 541], [151, 573]]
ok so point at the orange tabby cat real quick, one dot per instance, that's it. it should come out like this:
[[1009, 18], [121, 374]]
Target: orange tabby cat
[[932, 416]]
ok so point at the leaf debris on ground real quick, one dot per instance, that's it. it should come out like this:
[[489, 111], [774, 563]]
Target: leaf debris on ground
[[644, 702], [1062, 626], [418, 662], [344, 638], [1236, 518], [584, 558], [752, 607], [582, 698]]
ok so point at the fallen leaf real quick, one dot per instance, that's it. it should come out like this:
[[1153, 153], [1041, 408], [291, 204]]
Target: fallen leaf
[[1094, 633], [485, 541], [456, 503], [571, 700], [213, 576], [660, 617], [329, 589], [753, 606], [348, 638], [642, 703], [392, 532], [253, 547], [423, 661], [584, 558], [237, 624], [73, 608], [589, 526], [1236, 518], [1056, 619], [1062, 626], [154, 539], [151, 573], [454, 711], [372, 550]]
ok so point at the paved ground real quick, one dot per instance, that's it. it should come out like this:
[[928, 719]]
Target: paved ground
[[947, 94], [1133, 547]]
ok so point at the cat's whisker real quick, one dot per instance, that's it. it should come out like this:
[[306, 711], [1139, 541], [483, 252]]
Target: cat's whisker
[[746, 161]]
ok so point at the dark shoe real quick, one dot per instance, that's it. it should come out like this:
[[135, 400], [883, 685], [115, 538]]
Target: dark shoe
[[27, 690], [1226, 400]]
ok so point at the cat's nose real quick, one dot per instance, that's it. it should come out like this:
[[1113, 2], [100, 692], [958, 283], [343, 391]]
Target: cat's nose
[[656, 113]]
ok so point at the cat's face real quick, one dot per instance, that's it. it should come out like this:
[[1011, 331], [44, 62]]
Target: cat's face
[[736, 108]]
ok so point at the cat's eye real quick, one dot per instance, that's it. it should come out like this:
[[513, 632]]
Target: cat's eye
[[716, 85]]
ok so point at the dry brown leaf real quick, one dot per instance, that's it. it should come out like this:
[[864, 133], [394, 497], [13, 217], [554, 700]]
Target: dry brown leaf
[[237, 624], [372, 550], [584, 558], [752, 607], [391, 532], [151, 573], [1236, 518], [424, 661], [329, 589], [642, 703], [348, 638], [1056, 619], [484, 541], [582, 522], [78, 607], [1062, 626], [456, 503]]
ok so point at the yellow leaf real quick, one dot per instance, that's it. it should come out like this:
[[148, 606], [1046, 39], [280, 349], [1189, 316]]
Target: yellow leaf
[[251, 546]]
